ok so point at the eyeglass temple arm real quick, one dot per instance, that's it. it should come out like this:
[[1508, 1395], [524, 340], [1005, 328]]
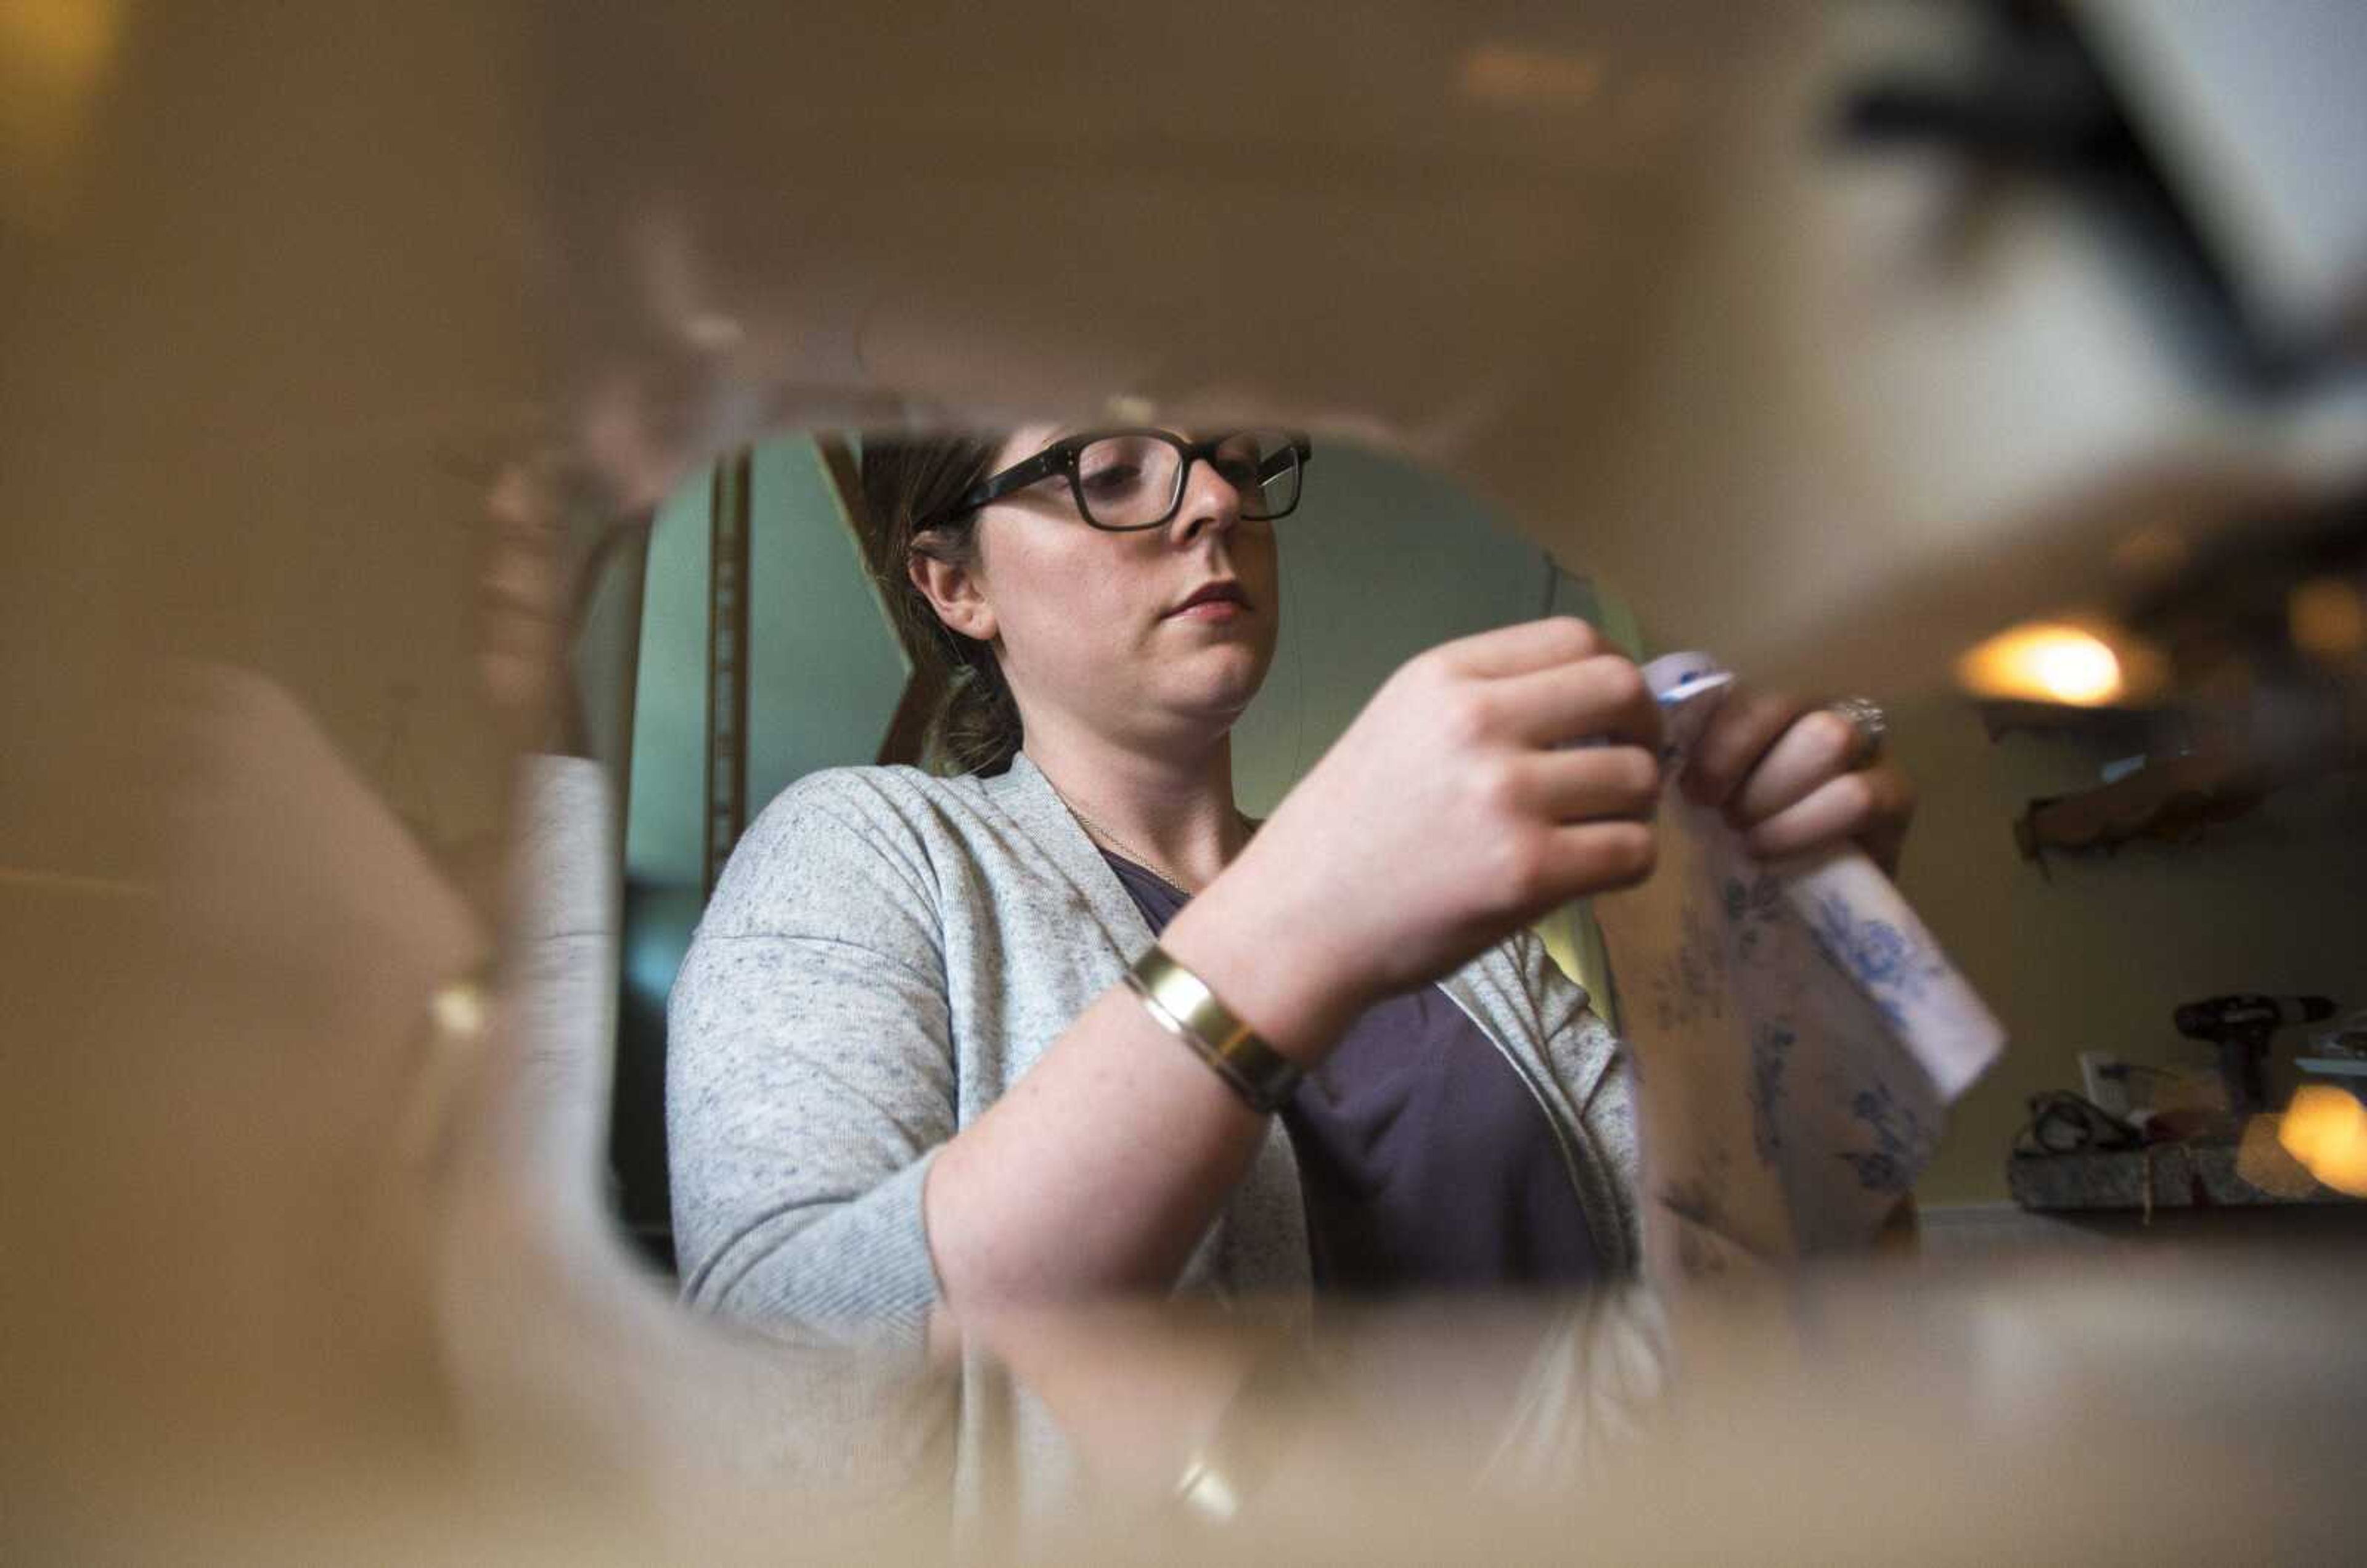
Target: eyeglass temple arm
[[1041, 465]]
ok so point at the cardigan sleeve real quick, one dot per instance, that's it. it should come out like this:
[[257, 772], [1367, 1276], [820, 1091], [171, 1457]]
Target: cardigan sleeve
[[810, 1069]]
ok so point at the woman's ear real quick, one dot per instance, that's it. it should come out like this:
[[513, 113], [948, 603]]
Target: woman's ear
[[957, 593]]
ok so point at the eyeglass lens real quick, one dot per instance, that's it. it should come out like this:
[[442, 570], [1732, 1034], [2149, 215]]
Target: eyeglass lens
[[1134, 481]]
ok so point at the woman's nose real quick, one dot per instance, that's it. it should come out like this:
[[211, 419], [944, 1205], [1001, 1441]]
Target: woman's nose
[[1209, 501]]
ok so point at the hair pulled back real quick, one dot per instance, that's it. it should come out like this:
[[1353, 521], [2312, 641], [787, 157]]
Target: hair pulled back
[[907, 481]]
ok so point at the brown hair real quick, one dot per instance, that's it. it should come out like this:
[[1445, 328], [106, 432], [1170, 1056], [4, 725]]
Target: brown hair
[[907, 481]]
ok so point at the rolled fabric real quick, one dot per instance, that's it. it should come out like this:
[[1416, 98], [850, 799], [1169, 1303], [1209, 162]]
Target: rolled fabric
[[1797, 1032]]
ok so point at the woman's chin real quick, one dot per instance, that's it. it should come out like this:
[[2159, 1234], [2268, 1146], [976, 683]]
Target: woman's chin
[[1225, 696]]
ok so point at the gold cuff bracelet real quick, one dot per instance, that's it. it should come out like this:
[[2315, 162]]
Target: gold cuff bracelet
[[1185, 1008]]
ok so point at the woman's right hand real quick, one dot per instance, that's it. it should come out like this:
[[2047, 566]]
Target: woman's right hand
[[1446, 816], [1454, 811]]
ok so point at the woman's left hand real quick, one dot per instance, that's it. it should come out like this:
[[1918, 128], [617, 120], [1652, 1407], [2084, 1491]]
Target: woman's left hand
[[1793, 778]]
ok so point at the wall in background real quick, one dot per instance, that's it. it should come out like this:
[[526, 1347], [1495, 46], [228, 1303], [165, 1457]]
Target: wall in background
[[824, 669], [2094, 955]]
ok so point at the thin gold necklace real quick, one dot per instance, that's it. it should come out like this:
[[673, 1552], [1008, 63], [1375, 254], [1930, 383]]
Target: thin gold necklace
[[1147, 863]]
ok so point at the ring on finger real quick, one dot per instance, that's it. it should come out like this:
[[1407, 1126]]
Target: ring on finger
[[1872, 726]]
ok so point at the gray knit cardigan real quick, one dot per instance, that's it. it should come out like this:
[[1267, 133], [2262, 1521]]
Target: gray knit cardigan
[[886, 954]]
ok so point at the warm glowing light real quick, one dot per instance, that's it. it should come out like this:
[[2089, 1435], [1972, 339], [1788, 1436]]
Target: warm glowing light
[[2327, 617], [2078, 669], [70, 38], [55, 60], [2325, 1129], [2045, 662]]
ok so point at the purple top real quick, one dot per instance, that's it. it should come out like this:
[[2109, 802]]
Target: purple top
[[1426, 1161]]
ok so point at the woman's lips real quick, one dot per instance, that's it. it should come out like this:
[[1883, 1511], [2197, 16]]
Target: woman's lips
[[1209, 610]]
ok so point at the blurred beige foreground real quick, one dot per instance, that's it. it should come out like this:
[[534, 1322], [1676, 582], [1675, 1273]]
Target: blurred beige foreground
[[288, 1335], [304, 1268]]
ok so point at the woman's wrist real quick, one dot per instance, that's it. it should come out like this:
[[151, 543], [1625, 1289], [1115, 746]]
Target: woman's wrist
[[1267, 965]]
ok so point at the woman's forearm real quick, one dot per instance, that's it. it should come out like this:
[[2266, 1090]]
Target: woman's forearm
[[1100, 1169]]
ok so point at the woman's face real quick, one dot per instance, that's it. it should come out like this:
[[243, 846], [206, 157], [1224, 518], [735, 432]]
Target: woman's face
[[1089, 625]]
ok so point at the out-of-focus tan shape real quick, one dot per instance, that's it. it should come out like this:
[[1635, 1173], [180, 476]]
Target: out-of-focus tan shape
[[2262, 1160], [2151, 551], [2327, 617], [1530, 78]]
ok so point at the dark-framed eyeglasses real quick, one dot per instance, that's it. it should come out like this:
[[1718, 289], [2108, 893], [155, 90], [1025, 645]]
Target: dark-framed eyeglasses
[[1123, 480]]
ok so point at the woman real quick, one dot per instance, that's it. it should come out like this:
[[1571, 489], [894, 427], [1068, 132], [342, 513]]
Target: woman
[[925, 1050]]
